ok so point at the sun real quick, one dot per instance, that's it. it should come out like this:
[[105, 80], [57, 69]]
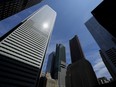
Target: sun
[[45, 25]]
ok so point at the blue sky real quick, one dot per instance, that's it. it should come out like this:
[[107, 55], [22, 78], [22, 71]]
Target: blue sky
[[71, 16]]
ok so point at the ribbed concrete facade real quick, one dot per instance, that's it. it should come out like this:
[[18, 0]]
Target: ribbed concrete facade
[[26, 46]]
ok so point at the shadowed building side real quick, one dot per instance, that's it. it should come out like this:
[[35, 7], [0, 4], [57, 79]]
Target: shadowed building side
[[75, 49], [105, 14], [80, 73], [50, 65], [106, 43]]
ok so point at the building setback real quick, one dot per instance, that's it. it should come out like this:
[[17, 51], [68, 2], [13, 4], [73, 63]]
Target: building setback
[[22, 51], [105, 14], [106, 43], [11, 7], [80, 73]]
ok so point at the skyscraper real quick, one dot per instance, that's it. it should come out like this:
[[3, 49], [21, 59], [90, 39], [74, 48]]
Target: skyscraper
[[22, 51], [50, 64], [106, 44], [47, 80], [11, 7], [105, 14], [80, 73], [75, 49], [58, 65], [60, 59]]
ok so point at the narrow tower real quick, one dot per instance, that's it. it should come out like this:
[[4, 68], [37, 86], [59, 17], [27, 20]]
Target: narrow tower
[[80, 73]]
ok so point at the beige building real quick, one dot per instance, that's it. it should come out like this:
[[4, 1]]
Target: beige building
[[51, 83]]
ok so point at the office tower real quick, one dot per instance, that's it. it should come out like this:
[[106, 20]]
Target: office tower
[[80, 73], [50, 64], [106, 44], [11, 7], [57, 68], [60, 60], [22, 51], [75, 49], [59, 71], [49, 81], [60, 64], [106, 15]]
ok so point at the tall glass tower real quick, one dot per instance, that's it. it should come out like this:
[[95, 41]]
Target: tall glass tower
[[50, 62], [57, 65], [80, 73], [75, 49], [22, 50], [106, 42], [105, 14], [60, 65]]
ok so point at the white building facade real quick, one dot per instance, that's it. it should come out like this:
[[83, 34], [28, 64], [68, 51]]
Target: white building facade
[[22, 51]]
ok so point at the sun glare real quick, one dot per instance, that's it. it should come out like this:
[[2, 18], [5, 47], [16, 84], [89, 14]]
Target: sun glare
[[45, 25]]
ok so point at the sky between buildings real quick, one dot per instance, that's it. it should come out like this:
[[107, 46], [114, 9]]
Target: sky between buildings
[[71, 16]]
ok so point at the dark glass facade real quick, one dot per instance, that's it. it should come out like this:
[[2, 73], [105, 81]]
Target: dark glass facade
[[106, 43], [80, 73], [50, 64], [75, 49], [58, 65], [101, 35], [60, 60], [105, 13], [11, 7]]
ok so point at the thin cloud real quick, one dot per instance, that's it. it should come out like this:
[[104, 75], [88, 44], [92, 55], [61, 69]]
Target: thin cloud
[[99, 67], [101, 70]]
